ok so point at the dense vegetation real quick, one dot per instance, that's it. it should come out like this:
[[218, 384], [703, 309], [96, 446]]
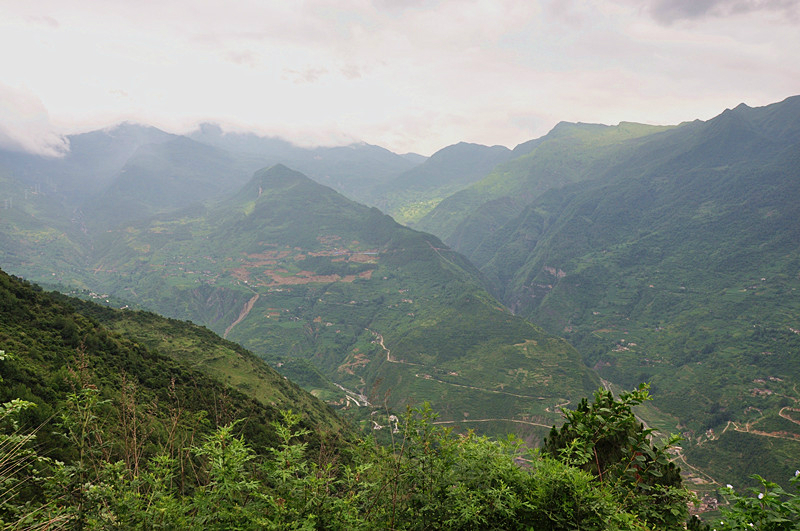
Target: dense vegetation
[[430, 479], [100, 431], [116, 460], [427, 478], [605, 439]]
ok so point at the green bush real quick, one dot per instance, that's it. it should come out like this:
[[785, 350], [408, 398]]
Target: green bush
[[605, 439]]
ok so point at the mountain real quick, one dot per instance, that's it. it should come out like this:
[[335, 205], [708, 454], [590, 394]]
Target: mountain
[[415, 192], [675, 260], [667, 254], [318, 284], [570, 153], [133, 171], [414, 158], [52, 209]]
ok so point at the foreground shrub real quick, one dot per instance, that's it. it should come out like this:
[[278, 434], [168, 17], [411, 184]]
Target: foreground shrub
[[428, 478], [767, 508]]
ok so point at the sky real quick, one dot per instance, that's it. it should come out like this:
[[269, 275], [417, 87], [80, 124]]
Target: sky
[[408, 75]]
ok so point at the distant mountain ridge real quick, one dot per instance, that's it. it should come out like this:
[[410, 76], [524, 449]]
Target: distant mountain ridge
[[567, 154], [104, 170], [412, 194], [166, 176], [353, 169]]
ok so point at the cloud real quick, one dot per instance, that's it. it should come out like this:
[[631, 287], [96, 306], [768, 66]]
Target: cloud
[[402, 4], [244, 58], [351, 71], [44, 20], [309, 74], [25, 125], [669, 11], [414, 74]]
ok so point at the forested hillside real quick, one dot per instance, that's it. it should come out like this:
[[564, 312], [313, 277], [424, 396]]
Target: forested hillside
[[80, 399], [55, 345]]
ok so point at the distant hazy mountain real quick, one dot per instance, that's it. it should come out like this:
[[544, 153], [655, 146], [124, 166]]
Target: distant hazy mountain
[[93, 160], [414, 158], [166, 176], [352, 170], [415, 192], [133, 171]]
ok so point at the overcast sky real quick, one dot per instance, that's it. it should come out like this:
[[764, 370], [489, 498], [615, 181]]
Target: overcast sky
[[409, 75]]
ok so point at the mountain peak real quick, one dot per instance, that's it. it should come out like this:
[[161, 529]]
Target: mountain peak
[[468, 149], [572, 128], [280, 173], [277, 177]]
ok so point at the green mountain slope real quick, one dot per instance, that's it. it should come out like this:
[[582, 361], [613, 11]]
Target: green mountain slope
[[294, 271], [569, 153], [37, 233], [679, 264], [160, 380]]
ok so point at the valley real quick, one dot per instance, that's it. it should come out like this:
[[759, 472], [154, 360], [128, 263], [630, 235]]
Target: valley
[[618, 254]]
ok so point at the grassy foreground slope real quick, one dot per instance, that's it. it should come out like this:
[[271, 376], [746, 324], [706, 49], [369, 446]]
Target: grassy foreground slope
[[300, 275], [150, 374]]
